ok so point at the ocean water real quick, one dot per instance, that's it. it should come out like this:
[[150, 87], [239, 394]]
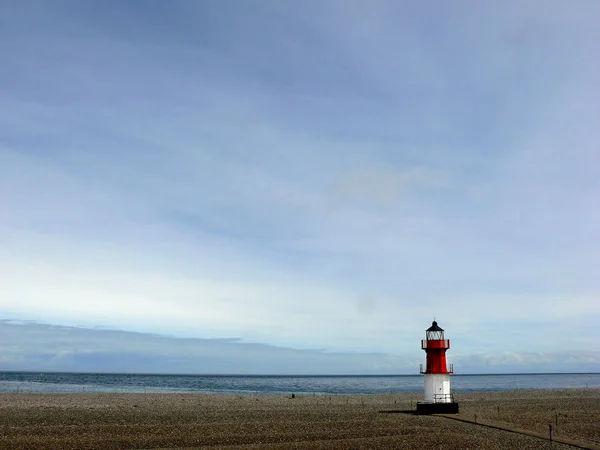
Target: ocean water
[[254, 384]]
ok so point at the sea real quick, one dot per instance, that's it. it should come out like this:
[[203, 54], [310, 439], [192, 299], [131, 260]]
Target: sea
[[53, 382]]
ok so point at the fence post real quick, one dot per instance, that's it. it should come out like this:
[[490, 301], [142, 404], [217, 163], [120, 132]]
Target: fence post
[[550, 431]]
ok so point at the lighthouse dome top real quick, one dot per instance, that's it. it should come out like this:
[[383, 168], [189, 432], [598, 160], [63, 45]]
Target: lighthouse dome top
[[434, 327]]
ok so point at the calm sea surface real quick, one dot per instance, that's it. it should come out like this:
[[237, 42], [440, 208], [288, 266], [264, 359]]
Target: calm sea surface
[[250, 384]]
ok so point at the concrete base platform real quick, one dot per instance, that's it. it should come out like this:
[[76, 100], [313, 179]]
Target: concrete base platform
[[437, 408]]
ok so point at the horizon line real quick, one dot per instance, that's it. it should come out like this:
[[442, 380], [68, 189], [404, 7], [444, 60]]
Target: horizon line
[[279, 375]]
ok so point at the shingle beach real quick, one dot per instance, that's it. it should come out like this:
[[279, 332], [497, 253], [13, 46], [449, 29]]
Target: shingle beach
[[215, 421]]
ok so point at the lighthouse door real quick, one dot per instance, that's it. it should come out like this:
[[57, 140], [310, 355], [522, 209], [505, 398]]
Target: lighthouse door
[[446, 387], [446, 391]]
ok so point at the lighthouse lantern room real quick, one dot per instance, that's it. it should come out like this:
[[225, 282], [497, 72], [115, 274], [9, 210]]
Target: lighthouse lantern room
[[438, 398]]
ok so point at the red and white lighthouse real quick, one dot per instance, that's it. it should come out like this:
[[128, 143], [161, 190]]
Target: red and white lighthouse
[[438, 398]]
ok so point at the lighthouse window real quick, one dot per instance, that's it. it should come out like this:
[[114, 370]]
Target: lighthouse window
[[435, 335]]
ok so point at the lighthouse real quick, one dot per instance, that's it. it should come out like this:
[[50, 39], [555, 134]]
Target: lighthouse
[[438, 398]]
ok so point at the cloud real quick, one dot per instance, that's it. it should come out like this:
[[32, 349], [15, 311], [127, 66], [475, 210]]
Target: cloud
[[381, 186], [44, 347], [540, 362], [56, 348], [320, 175]]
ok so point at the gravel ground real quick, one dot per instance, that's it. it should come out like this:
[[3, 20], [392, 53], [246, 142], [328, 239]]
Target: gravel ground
[[573, 413], [111, 421]]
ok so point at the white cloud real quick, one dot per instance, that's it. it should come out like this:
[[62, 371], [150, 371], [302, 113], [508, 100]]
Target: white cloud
[[381, 186], [43, 347]]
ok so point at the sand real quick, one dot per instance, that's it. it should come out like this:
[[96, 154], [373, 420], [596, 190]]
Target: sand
[[111, 421]]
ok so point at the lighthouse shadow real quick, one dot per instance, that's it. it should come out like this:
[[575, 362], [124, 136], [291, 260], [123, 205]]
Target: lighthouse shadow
[[412, 412]]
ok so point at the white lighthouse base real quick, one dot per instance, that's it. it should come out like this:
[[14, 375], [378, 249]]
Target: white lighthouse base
[[438, 399], [437, 388]]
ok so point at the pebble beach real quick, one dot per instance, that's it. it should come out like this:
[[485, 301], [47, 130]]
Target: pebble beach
[[229, 421]]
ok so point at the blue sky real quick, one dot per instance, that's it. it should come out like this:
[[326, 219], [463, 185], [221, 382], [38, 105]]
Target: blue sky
[[311, 175]]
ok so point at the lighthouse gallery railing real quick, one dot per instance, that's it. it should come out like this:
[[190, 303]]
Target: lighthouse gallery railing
[[443, 398], [442, 343], [450, 368]]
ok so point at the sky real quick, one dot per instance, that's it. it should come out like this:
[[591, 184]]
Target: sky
[[322, 177]]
